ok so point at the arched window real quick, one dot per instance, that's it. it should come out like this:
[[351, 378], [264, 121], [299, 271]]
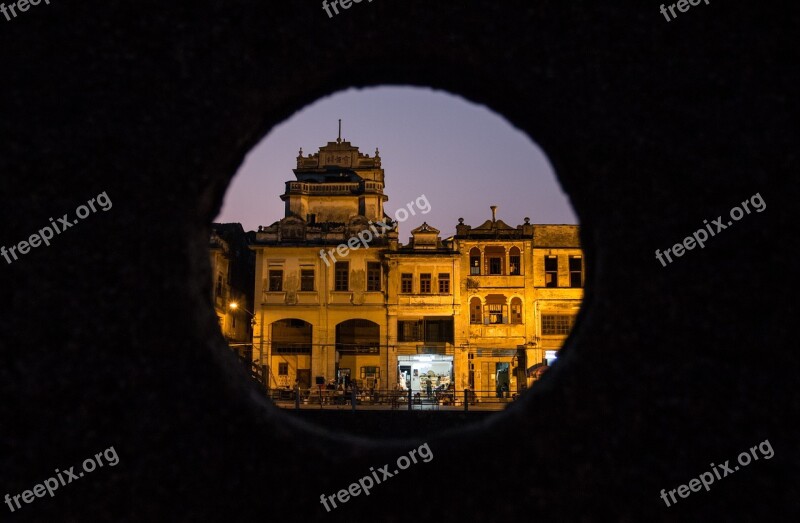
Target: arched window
[[475, 315], [291, 336], [474, 261], [514, 262], [516, 310], [358, 337]]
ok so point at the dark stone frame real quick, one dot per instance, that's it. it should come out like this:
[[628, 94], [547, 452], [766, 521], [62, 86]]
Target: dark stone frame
[[108, 336]]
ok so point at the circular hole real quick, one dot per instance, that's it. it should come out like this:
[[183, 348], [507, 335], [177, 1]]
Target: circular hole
[[405, 243]]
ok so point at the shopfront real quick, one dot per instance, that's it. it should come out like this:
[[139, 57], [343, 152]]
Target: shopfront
[[358, 353], [291, 353], [416, 371]]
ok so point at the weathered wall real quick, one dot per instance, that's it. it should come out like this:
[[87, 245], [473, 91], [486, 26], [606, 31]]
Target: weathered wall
[[556, 236], [108, 338]]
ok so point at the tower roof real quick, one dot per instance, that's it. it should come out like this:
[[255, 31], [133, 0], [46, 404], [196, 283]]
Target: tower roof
[[338, 154]]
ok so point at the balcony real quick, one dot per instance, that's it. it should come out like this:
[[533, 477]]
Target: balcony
[[488, 281], [323, 188], [341, 188], [497, 330]]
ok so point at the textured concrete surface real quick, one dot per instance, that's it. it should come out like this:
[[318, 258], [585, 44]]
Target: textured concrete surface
[[107, 337]]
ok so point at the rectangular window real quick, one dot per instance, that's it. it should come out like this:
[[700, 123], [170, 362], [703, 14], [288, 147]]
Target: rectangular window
[[430, 330], [409, 330], [283, 369], [495, 266], [438, 330], [551, 271], [475, 265], [307, 279], [513, 261], [373, 276], [341, 276], [425, 283], [557, 323], [275, 280], [576, 271], [444, 283], [495, 313], [406, 283], [370, 373]]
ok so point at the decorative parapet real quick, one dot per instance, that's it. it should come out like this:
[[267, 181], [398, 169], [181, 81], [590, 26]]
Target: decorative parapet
[[338, 154]]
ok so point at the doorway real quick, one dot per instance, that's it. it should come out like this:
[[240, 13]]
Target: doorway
[[502, 379], [304, 378]]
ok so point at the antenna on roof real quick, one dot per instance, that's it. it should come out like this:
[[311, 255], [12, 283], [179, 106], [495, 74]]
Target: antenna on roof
[[340, 131]]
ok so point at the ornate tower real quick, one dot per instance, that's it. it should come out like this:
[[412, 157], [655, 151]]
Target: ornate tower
[[335, 184]]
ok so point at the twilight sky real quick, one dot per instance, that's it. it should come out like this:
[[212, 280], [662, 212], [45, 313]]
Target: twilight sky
[[461, 156]]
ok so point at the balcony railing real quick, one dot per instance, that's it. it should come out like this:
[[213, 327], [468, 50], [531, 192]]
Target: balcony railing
[[346, 348], [323, 188], [440, 348], [333, 188], [376, 399]]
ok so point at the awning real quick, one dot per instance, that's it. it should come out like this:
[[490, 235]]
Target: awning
[[534, 371]]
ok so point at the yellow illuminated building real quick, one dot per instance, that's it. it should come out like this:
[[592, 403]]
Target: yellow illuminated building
[[231, 272], [339, 297]]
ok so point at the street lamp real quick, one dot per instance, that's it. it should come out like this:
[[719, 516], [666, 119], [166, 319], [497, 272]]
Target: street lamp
[[234, 306]]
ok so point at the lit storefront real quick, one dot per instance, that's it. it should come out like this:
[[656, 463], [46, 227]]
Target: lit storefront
[[416, 371]]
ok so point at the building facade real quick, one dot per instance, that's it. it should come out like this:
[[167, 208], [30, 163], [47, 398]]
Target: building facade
[[232, 266], [338, 297]]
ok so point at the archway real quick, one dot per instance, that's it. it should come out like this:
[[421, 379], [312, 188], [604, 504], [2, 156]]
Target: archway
[[358, 349], [291, 353]]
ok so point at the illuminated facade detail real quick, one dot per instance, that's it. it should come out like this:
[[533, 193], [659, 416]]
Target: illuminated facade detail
[[231, 274], [465, 311]]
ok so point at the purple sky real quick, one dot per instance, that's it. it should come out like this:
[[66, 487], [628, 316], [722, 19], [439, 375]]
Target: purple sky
[[461, 156]]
